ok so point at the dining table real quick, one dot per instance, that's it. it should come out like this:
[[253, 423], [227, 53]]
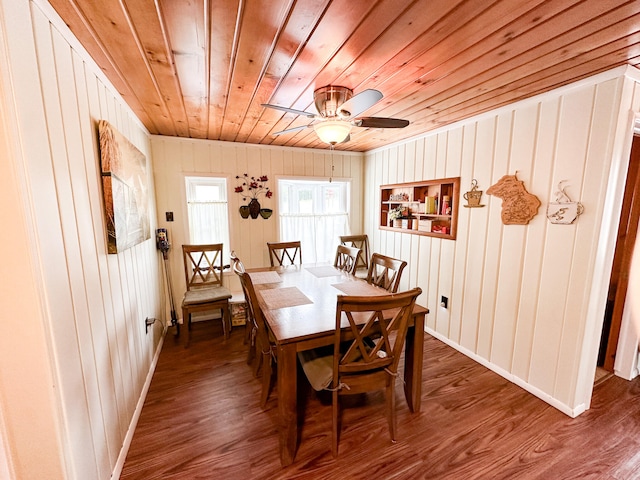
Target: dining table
[[298, 303]]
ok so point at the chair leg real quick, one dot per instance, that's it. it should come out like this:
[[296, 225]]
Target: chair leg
[[257, 362], [186, 318], [226, 321], [335, 409], [247, 331], [251, 354], [266, 379], [391, 408], [251, 351]]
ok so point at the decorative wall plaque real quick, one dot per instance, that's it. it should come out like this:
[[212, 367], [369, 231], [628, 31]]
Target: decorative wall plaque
[[473, 196], [563, 211], [518, 205]]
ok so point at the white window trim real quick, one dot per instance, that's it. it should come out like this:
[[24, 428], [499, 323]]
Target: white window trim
[[185, 208], [277, 193]]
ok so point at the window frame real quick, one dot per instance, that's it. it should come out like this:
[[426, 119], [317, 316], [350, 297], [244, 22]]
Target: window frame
[[313, 179], [185, 207]]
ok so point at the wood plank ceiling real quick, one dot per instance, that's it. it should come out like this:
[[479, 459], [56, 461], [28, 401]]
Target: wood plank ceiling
[[202, 68]]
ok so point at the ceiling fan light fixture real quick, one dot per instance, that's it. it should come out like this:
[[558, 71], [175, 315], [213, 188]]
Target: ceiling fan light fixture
[[332, 131]]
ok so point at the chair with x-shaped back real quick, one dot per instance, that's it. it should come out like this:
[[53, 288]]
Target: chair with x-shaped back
[[385, 272], [203, 268], [361, 242], [284, 253], [369, 336], [346, 259]]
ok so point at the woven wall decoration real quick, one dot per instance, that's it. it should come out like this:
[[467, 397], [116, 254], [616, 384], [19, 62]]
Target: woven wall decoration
[[518, 205]]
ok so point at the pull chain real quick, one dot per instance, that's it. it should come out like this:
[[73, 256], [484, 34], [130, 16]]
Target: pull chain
[[331, 174]]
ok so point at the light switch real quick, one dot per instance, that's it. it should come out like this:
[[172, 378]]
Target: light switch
[[444, 302]]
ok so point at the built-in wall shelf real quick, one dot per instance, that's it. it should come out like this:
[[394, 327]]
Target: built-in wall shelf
[[429, 207]]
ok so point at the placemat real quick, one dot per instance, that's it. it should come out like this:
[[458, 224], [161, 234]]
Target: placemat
[[265, 277], [356, 288], [284, 297], [324, 271]]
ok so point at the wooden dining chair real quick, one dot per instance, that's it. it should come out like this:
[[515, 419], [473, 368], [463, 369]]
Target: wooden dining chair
[[346, 259], [264, 347], [203, 268], [284, 253], [385, 272], [250, 330], [366, 352], [361, 242], [236, 263]]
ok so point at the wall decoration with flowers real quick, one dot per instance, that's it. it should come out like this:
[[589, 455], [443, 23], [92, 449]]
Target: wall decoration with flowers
[[251, 189]]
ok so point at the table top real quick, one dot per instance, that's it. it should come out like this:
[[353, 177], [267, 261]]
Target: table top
[[299, 301]]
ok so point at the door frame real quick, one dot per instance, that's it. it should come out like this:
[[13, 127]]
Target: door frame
[[623, 255]]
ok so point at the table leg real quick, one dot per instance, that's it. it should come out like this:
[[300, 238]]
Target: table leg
[[287, 403], [413, 355]]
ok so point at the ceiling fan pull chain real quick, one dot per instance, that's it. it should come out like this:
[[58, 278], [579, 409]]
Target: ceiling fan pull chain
[[331, 175]]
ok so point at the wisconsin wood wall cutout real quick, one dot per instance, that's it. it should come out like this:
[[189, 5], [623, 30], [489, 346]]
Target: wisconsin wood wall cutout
[[518, 205]]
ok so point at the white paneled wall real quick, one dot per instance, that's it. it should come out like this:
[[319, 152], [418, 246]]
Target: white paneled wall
[[91, 307], [527, 301], [176, 158], [518, 295]]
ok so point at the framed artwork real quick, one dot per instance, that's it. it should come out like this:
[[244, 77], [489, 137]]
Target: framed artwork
[[125, 190]]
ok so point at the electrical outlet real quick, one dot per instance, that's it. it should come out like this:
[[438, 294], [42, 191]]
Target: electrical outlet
[[147, 323], [444, 302]]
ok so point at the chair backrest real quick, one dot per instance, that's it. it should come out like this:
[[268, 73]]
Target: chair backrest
[[253, 309], [361, 242], [236, 264], [284, 253], [385, 272], [346, 258], [378, 328], [203, 265]]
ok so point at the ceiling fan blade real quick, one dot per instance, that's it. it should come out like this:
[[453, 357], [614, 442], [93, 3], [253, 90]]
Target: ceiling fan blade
[[291, 130], [360, 102], [381, 122], [290, 110]]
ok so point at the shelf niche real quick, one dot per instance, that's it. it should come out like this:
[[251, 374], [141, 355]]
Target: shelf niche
[[426, 204]]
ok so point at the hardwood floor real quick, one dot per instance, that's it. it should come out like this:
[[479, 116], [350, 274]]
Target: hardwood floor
[[202, 420]]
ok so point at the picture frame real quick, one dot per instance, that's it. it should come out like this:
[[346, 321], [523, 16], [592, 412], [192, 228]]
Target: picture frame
[[125, 190]]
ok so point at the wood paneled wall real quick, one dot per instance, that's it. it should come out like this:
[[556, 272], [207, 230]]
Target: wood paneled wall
[[176, 158], [83, 334], [520, 297]]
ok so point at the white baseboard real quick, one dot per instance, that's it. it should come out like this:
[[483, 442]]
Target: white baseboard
[[632, 373], [117, 470], [572, 412]]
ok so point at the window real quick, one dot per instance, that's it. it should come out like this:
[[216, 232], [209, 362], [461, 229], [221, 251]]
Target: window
[[316, 213], [207, 211]]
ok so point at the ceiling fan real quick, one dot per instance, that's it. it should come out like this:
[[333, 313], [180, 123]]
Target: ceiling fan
[[338, 112]]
